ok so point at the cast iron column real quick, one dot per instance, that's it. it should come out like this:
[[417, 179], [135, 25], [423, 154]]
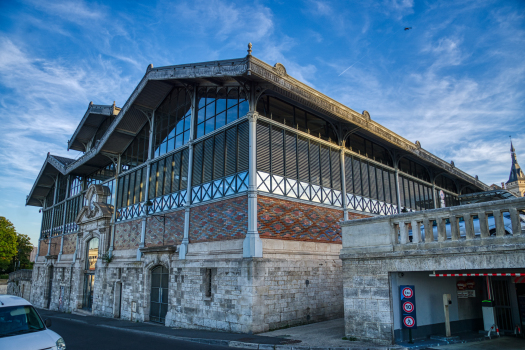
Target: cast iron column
[[183, 248]]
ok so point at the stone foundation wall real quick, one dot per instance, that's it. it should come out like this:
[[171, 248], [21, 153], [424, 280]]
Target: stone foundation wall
[[247, 295]]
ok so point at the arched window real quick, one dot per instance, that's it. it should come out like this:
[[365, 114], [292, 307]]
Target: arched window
[[368, 149], [446, 183], [92, 254], [287, 114], [410, 167]]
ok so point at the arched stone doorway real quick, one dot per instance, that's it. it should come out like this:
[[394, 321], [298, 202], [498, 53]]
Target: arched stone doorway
[[159, 294], [89, 275]]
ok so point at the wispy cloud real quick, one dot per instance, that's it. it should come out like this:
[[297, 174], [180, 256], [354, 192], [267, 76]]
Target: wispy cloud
[[43, 109]]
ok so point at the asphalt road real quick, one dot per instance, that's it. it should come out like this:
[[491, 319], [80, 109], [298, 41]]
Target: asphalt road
[[80, 336]]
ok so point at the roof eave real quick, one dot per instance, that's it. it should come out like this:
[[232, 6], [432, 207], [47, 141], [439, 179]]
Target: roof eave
[[50, 160]]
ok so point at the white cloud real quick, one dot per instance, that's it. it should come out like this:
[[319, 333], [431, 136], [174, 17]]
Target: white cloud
[[47, 101]]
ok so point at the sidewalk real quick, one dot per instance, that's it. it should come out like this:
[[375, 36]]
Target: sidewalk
[[317, 336]]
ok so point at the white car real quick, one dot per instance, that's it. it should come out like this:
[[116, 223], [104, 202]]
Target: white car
[[22, 328]]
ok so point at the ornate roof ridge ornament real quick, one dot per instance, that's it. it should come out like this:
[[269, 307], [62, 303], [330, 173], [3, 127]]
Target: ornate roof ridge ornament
[[418, 145], [366, 115], [280, 69], [249, 49]]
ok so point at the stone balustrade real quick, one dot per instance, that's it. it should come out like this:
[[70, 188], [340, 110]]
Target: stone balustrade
[[496, 222]]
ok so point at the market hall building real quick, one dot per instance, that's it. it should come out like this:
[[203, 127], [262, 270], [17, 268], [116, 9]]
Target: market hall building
[[213, 197]]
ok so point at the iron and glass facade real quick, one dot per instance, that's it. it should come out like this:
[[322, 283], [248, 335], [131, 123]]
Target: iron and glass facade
[[194, 148]]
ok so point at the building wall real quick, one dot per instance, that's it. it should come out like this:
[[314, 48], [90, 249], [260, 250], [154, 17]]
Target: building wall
[[19, 284], [289, 220], [43, 247], [168, 230], [367, 282], [127, 235], [429, 304], [70, 242], [55, 245], [222, 220]]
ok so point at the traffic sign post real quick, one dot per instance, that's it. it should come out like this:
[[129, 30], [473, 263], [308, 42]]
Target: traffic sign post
[[408, 309]]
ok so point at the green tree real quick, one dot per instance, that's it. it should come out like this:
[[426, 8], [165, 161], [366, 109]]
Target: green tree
[[24, 248], [8, 243]]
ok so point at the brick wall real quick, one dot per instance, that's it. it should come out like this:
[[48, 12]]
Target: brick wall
[[127, 235], [55, 246], [227, 219], [282, 219], [70, 242], [43, 248], [165, 231]]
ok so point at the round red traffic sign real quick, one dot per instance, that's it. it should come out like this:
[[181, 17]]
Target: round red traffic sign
[[408, 307], [409, 321], [407, 292]]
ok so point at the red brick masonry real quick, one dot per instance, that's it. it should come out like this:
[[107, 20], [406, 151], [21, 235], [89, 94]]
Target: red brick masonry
[[127, 235], [227, 219], [168, 230], [43, 247], [282, 219], [70, 242]]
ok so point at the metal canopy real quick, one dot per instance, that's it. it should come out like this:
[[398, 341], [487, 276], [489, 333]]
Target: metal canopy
[[89, 125], [157, 83], [53, 166], [486, 196]]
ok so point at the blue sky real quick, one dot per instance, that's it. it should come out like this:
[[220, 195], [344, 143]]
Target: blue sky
[[455, 81]]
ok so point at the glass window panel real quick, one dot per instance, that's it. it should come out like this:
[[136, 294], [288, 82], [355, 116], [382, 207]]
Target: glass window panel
[[232, 114], [300, 120], [179, 141], [262, 105], [210, 109], [243, 109], [200, 130], [175, 175], [221, 100], [180, 126], [210, 125], [220, 120]]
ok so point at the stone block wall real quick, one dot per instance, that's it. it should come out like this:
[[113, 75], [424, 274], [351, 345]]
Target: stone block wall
[[168, 230], [299, 291], [228, 308], [19, 284], [222, 220], [367, 301]]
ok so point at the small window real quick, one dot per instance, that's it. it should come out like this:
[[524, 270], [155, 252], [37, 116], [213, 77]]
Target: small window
[[207, 283]]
